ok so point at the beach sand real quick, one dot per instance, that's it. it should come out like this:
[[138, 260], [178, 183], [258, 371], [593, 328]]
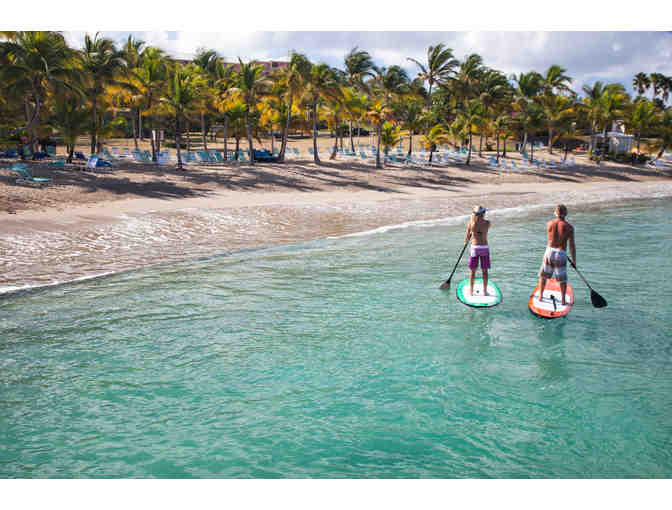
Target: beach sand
[[138, 215]]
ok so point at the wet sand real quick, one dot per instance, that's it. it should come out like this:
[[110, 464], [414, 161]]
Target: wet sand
[[141, 215]]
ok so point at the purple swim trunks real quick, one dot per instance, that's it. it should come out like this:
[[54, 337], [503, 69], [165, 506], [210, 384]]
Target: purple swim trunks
[[482, 253]]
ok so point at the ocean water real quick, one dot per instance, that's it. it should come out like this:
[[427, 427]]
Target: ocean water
[[341, 358]]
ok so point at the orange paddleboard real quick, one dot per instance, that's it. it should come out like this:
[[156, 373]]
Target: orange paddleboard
[[551, 307]]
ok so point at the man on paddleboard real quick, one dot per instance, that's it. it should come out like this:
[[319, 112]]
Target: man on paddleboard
[[477, 229], [554, 263]]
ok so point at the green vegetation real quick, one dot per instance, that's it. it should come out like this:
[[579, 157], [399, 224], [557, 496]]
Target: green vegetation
[[49, 90]]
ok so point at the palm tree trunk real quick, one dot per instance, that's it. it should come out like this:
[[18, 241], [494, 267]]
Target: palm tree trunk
[[135, 129], [249, 134], [94, 126], [410, 143], [71, 153], [531, 151], [497, 147], [550, 140], [504, 149], [140, 125], [469, 155], [285, 131], [226, 135], [272, 140], [152, 138], [178, 141], [379, 130], [480, 146], [188, 136], [203, 134], [237, 147], [352, 140], [522, 147], [316, 158]]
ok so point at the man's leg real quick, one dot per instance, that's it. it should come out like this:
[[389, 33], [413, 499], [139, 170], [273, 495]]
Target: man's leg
[[485, 281], [472, 274], [542, 286], [563, 287]]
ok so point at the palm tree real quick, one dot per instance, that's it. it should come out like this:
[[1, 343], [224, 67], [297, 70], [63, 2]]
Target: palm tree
[[222, 100], [150, 80], [612, 105], [36, 63], [296, 74], [70, 118], [556, 110], [378, 114], [468, 75], [354, 105], [528, 87], [409, 113], [657, 83], [499, 126], [389, 83], [321, 83], [391, 135], [207, 62], [436, 136], [642, 117], [470, 116], [555, 80], [101, 62], [250, 83], [179, 98], [664, 130], [439, 68], [641, 83], [358, 65], [493, 88]]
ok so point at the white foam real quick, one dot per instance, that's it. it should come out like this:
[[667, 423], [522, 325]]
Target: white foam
[[6, 290]]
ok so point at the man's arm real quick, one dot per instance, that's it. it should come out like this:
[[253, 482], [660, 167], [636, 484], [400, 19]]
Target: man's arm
[[467, 235], [572, 245]]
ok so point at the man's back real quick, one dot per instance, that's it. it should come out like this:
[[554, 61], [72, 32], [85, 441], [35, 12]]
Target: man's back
[[480, 232], [559, 231]]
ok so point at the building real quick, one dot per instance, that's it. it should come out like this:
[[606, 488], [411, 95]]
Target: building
[[619, 143]]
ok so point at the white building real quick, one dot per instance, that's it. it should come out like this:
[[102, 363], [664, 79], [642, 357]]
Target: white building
[[619, 143]]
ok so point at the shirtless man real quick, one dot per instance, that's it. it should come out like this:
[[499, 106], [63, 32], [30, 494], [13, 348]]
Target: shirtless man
[[555, 257], [478, 231]]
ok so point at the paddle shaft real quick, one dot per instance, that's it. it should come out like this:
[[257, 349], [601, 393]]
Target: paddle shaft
[[578, 272], [458, 259]]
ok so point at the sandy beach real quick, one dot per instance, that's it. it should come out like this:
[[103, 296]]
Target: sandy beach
[[137, 215]]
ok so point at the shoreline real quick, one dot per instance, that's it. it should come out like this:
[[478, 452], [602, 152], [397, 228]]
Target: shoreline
[[111, 238]]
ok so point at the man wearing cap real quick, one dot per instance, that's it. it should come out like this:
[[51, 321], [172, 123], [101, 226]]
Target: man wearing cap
[[554, 263], [477, 229]]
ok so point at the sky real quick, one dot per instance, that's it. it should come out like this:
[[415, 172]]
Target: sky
[[609, 56]]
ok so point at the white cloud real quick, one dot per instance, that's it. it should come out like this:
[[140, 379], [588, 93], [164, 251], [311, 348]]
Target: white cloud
[[587, 56]]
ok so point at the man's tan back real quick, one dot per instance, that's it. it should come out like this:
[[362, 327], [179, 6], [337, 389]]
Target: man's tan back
[[559, 231]]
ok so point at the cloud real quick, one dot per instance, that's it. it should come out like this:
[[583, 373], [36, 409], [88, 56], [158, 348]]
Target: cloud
[[587, 56]]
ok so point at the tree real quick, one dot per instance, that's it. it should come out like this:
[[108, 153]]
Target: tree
[[179, 98], [528, 86], [320, 83], [642, 116], [436, 136], [358, 65], [557, 109], [101, 62], [409, 113], [657, 83], [641, 83], [150, 81], [249, 84], [70, 117], [296, 74], [36, 63], [555, 81], [439, 68], [470, 116]]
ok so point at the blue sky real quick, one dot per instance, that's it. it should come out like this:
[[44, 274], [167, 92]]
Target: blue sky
[[588, 56]]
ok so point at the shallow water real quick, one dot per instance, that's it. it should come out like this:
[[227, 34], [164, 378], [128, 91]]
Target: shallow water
[[341, 358]]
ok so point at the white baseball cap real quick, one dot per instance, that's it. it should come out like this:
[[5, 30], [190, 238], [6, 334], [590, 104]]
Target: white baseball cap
[[479, 209]]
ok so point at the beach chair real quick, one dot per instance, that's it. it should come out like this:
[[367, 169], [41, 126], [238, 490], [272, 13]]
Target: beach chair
[[91, 162], [27, 178], [364, 157], [276, 152], [51, 151], [492, 162], [163, 158], [296, 151], [218, 157], [242, 158]]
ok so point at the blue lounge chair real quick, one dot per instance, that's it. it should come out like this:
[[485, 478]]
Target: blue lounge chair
[[27, 178]]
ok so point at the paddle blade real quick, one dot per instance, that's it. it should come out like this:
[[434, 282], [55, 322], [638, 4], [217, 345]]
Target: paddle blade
[[445, 285], [597, 300]]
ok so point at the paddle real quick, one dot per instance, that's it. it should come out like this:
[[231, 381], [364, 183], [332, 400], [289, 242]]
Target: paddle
[[446, 285], [597, 300]]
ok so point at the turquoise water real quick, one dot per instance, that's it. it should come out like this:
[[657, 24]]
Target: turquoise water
[[341, 358]]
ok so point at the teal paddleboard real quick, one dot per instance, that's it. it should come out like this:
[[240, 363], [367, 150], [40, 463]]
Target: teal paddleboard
[[479, 299]]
